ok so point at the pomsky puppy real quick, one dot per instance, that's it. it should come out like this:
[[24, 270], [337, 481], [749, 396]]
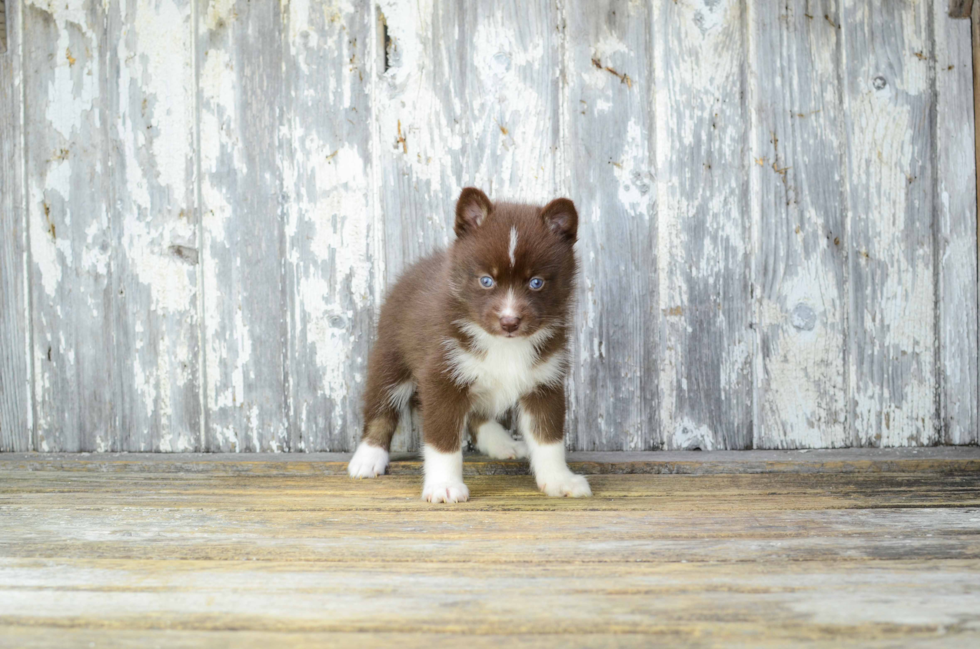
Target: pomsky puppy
[[472, 331]]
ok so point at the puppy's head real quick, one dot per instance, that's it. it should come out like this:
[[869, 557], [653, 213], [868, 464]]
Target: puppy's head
[[514, 265]]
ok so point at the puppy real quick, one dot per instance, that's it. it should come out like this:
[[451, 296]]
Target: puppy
[[471, 331]]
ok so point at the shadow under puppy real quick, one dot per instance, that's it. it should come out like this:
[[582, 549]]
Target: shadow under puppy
[[474, 330]]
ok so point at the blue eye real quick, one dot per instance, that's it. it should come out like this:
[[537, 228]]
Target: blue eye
[[536, 283], [486, 281]]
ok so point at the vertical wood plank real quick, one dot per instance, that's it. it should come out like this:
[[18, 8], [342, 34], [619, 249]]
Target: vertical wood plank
[[332, 262], [150, 111], [956, 228], [16, 422], [509, 98], [703, 238], [888, 91], [798, 224], [245, 301], [68, 175], [418, 116], [609, 153], [469, 95], [975, 32]]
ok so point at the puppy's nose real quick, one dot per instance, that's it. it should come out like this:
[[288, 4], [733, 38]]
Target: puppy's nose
[[510, 323]]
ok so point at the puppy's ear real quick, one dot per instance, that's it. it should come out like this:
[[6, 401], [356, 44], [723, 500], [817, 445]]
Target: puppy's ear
[[561, 218], [472, 208]]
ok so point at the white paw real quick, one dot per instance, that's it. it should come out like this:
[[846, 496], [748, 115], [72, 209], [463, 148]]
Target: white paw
[[568, 484], [368, 462], [493, 440], [552, 473], [445, 492]]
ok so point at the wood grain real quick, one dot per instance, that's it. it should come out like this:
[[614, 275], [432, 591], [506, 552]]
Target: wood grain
[[40, 637], [703, 238], [16, 420], [762, 560], [333, 257], [778, 242], [935, 460], [609, 157], [955, 203], [798, 226], [71, 230], [975, 32], [243, 257], [888, 94], [154, 256]]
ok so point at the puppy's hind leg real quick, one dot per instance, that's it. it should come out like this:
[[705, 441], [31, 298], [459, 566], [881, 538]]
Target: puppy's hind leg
[[493, 440], [371, 457], [389, 389]]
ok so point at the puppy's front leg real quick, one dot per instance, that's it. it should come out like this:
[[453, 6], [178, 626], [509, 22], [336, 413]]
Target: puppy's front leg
[[541, 420], [444, 409]]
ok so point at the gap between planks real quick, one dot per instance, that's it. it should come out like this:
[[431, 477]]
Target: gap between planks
[[960, 459]]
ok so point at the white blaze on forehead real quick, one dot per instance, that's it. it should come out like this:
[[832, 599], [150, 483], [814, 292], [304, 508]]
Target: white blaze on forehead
[[513, 245]]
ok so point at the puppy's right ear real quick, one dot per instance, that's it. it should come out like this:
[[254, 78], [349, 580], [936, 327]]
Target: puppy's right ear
[[472, 208]]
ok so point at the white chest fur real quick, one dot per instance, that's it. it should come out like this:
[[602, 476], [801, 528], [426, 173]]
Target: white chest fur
[[498, 371]]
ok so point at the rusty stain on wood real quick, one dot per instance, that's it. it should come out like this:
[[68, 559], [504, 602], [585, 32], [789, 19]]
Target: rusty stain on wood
[[401, 138], [623, 77]]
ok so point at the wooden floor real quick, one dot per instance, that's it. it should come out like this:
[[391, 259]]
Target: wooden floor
[[858, 548]]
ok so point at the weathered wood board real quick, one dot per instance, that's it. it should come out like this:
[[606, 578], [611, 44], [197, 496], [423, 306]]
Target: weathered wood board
[[243, 257], [154, 251], [798, 214], [333, 243], [955, 230], [205, 201], [610, 160], [703, 239], [16, 425], [145, 558], [890, 104], [71, 227]]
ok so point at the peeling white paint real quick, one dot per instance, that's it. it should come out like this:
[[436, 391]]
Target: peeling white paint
[[69, 101], [163, 31], [428, 137], [636, 183], [688, 436], [701, 234], [892, 349]]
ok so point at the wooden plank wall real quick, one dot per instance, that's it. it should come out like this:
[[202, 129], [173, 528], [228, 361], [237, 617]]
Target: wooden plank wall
[[16, 415], [204, 201]]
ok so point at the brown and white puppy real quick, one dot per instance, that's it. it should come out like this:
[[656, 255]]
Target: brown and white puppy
[[472, 331]]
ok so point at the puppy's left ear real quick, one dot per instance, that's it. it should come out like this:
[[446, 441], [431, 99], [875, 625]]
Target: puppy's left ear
[[561, 218], [472, 209]]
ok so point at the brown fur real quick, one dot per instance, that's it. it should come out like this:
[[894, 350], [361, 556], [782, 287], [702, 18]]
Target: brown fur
[[424, 308]]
